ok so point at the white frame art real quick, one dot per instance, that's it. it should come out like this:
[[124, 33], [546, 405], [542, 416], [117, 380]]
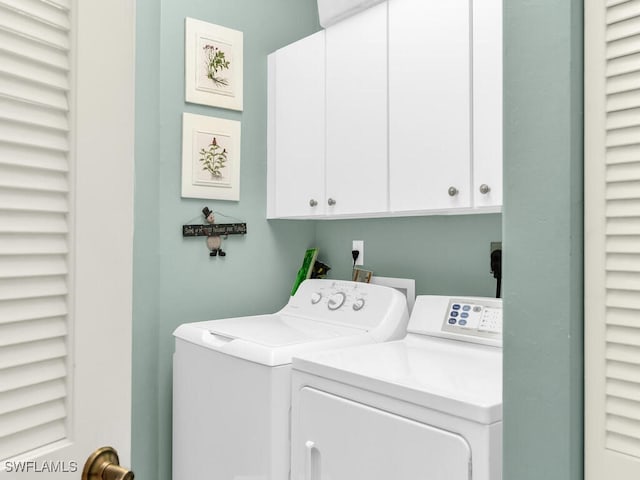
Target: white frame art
[[213, 65], [210, 157]]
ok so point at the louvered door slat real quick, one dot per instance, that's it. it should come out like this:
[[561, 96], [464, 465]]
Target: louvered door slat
[[14, 154], [32, 374], [26, 113], [35, 73], [31, 417], [19, 266], [34, 50], [33, 28], [23, 441], [43, 11], [33, 244], [14, 199], [33, 395], [20, 309], [37, 351], [16, 221], [32, 287]]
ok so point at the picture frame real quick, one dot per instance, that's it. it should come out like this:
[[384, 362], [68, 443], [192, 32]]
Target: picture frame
[[360, 275], [213, 65], [210, 157]]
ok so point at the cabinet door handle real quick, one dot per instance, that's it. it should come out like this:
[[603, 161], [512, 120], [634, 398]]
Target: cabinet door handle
[[484, 189], [313, 203], [310, 466], [453, 191], [331, 202]]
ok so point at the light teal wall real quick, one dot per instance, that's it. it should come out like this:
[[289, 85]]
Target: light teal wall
[[444, 254], [542, 225], [175, 280]]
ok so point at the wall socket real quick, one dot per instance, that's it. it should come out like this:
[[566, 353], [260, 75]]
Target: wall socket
[[358, 245]]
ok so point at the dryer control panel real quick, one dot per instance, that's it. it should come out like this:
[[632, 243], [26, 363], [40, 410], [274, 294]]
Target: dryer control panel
[[470, 319], [473, 317]]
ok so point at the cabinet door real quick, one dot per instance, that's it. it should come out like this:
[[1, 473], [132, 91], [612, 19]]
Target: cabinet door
[[429, 104], [297, 129], [357, 113], [487, 103], [338, 439]]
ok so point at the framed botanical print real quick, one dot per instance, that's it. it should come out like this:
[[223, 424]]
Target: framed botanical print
[[210, 157], [213, 65]]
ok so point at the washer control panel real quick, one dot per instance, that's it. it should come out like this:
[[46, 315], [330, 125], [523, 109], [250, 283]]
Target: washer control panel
[[338, 295], [357, 304], [473, 317]]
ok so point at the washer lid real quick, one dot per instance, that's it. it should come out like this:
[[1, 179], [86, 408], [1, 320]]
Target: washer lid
[[269, 339], [454, 377]]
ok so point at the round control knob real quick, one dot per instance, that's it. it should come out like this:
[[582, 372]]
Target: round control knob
[[331, 202], [313, 203], [358, 304], [484, 189], [453, 191], [336, 300], [316, 297]]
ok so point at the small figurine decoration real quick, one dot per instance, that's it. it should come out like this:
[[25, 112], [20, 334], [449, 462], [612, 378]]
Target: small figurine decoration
[[214, 242]]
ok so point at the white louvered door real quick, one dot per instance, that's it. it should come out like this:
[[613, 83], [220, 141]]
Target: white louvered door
[[612, 239], [66, 81]]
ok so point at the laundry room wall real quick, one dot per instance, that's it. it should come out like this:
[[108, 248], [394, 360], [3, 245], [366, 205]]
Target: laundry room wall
[[445, 255], [175, 280]]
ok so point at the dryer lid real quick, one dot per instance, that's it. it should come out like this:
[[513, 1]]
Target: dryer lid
[[269, 339], [457, 378]]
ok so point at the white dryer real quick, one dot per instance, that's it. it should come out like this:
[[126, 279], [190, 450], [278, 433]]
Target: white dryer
[[428, 406], [231, 377]]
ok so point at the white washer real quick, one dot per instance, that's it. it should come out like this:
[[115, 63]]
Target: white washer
[[232, 383], [428, 406]]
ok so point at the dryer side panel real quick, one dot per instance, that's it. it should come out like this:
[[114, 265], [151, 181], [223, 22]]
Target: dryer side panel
[[336, 438]]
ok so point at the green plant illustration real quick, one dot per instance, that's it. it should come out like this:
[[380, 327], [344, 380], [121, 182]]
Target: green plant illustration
[[213, 158], [216, 62]]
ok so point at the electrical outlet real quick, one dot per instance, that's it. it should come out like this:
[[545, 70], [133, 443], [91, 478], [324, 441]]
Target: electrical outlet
[[358, 245]]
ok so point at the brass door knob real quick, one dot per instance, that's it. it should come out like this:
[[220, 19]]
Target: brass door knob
[[103, 464]]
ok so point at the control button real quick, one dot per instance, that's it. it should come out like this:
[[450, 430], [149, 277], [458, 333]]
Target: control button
[[466, 308], [477, 309], [358, 304], [454, 313], [336, 300], [464, 315], [462, 321], [452, 321], [316, 297], [455, 306]]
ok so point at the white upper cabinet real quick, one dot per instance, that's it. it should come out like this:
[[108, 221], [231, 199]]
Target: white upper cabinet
[[396, 110], [429, 105], [487, 104], [297, 129], [356, 114]]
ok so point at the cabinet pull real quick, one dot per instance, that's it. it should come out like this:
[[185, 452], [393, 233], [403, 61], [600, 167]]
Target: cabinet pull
[[453, 191], [484, 189], [310, 461], [331, 202], [312, 203]]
